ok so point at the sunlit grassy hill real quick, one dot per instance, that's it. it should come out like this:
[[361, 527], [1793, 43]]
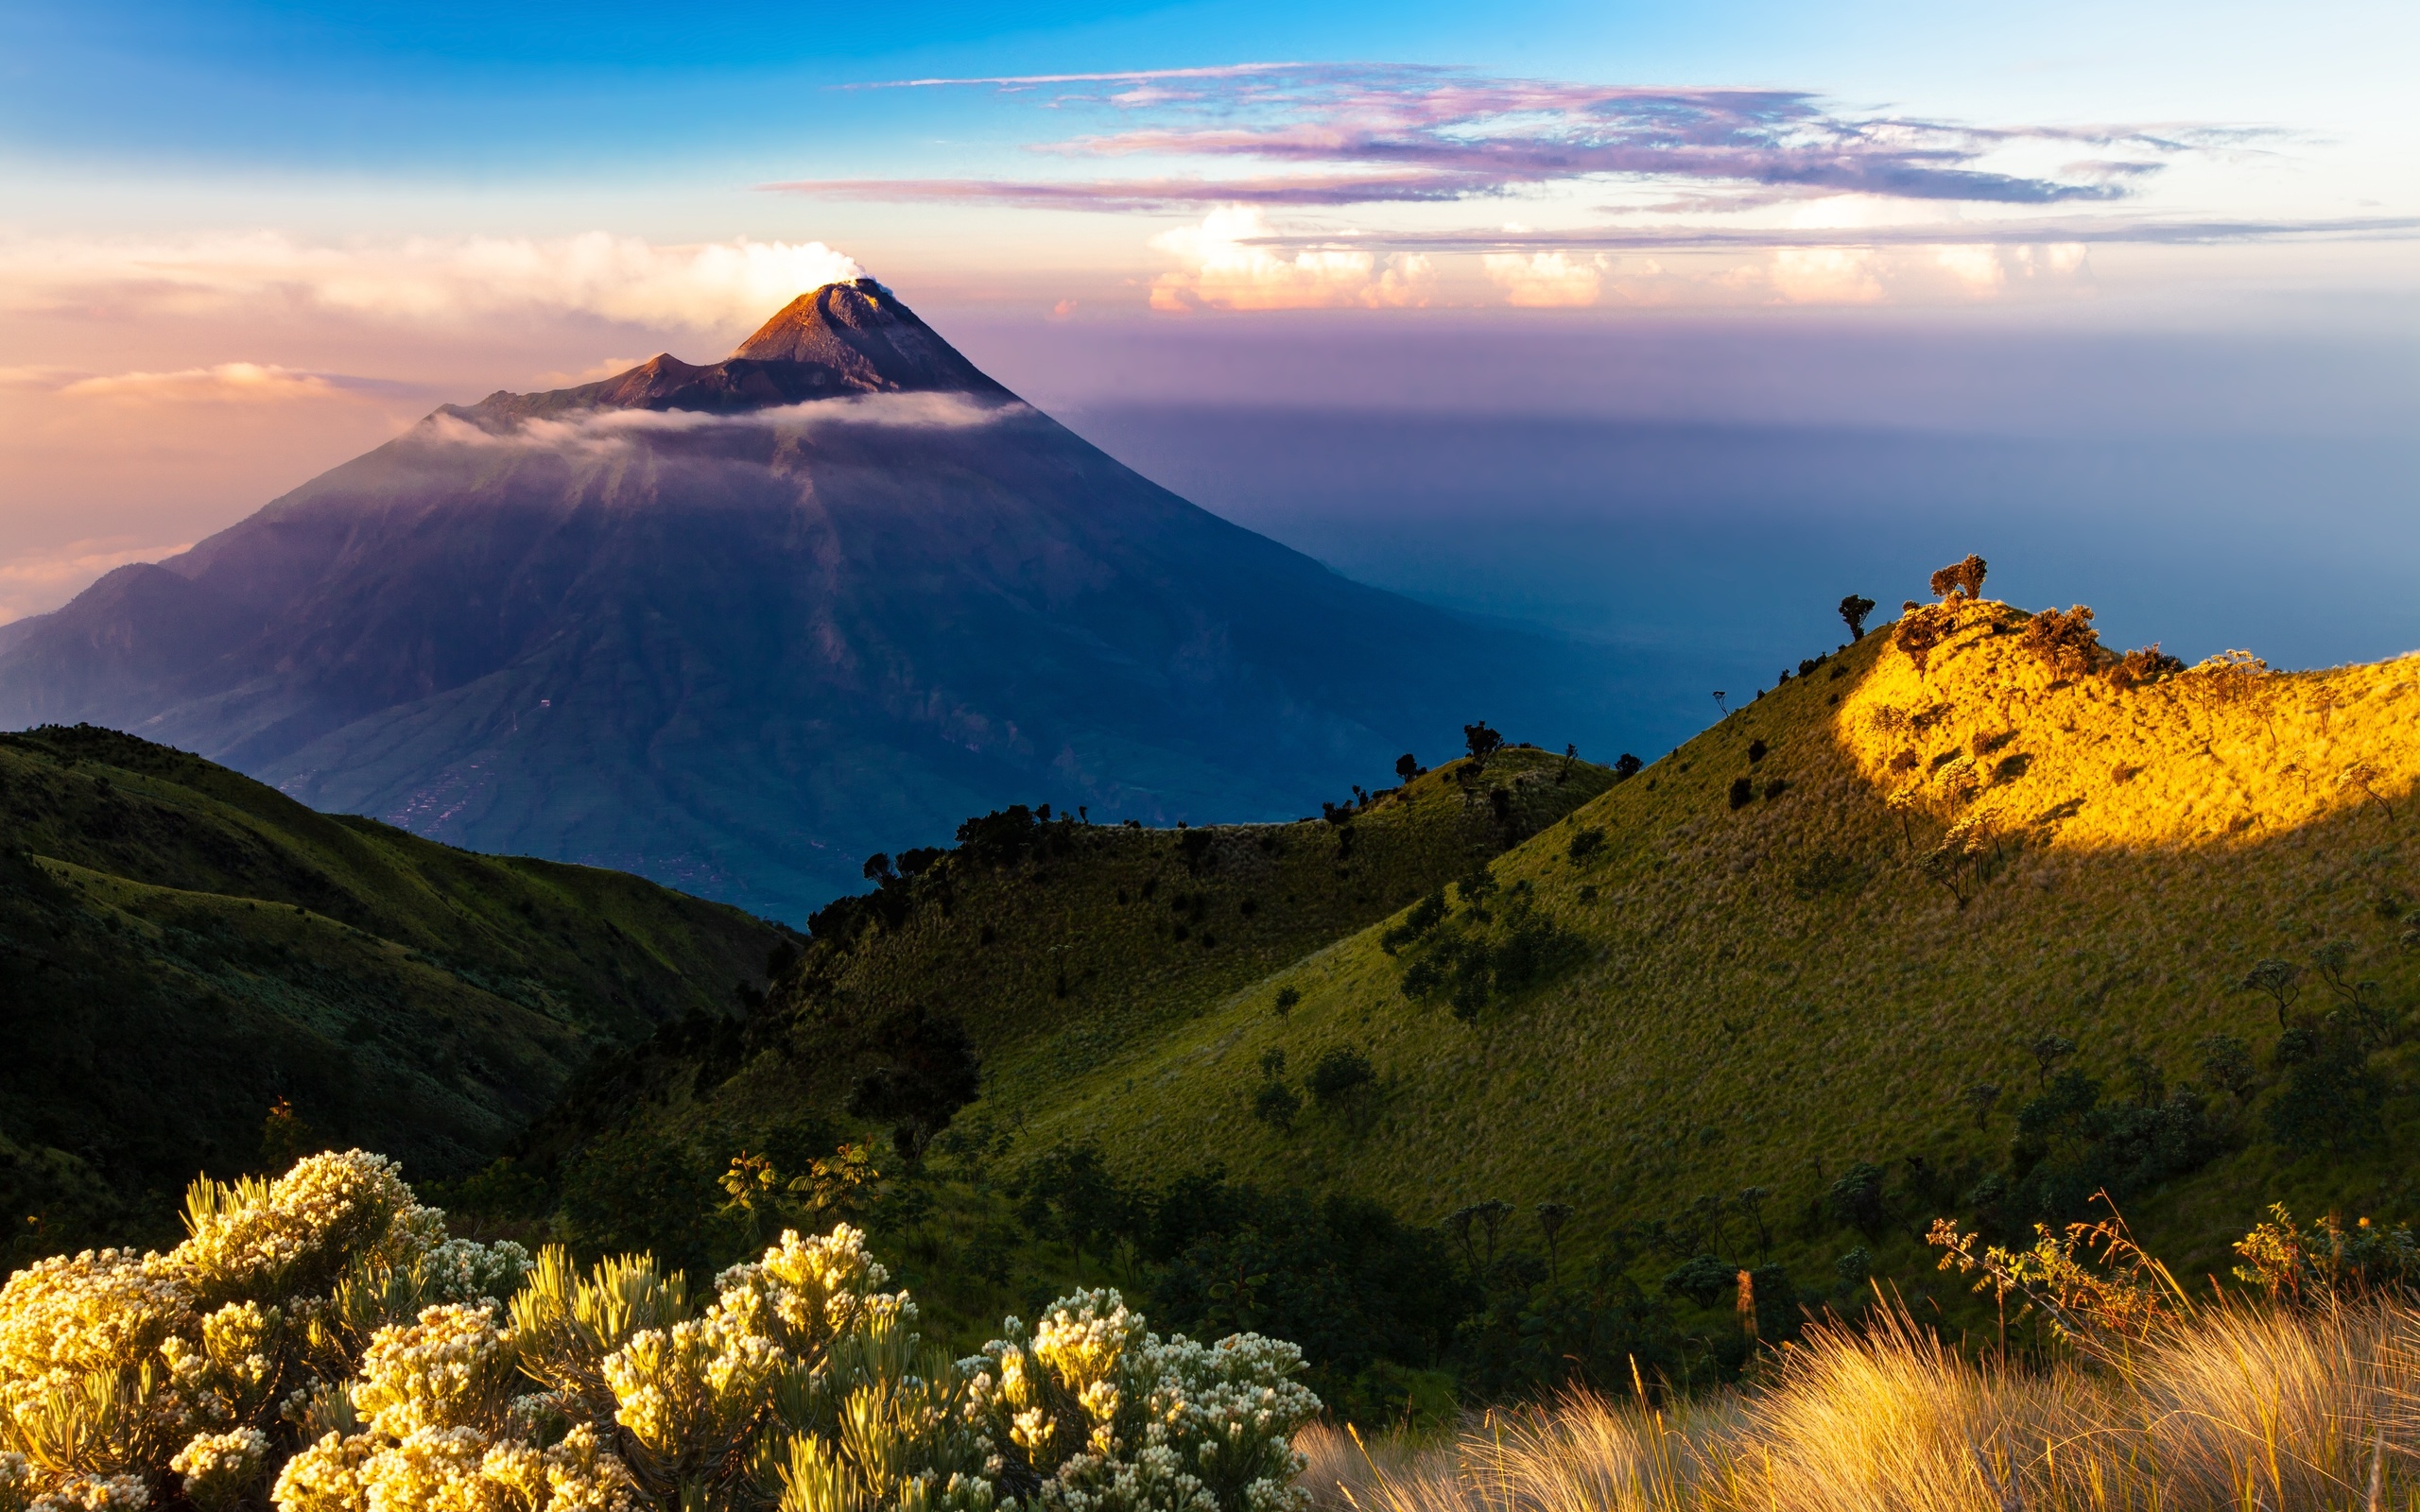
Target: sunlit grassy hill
[[1801, 939], [181, 947]]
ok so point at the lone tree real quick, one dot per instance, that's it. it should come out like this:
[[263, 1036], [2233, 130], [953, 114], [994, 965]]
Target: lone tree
[[1853, 612], [1963, 578], [2048, 1051], [1628, 766], [2280, 980], [929, 1071], [1551, 1217], [1981, 1097], [1483, 742], [1406, 767]]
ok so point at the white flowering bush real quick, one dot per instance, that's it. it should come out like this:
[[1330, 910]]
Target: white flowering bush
[[320, 1344], [1091, 1413]]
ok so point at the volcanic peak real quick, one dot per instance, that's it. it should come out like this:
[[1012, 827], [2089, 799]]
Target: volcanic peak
[[843, 339]]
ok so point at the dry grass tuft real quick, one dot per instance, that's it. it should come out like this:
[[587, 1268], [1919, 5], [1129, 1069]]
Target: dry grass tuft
[[2235, 1409]]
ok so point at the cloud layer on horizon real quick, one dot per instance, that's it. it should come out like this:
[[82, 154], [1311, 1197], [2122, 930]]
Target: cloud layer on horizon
[[709, 287]]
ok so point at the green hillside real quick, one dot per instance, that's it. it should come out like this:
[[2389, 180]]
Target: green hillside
[[1800, 942], [181, 948], [1506, 1075], [1062, 947]]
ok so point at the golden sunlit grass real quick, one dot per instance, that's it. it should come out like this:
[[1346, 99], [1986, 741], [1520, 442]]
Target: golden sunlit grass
[[2236, 1408]]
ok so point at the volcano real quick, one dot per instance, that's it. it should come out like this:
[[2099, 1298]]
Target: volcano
[[735, 627]]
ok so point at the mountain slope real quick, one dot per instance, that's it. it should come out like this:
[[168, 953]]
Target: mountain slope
[[1063, 947], [733, 627], [1939, 859], [181, 948]]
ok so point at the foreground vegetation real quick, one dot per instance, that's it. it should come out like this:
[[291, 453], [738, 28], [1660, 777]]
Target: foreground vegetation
[[319, 1343], [2240, 1409]]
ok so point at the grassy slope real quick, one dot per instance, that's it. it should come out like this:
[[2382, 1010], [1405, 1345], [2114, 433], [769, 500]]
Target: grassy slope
[[182, 946], [1736, 1023], [1106, 937]]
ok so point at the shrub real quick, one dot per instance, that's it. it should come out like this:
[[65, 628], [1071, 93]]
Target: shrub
[[1425, 915], [1919, 629], [1285, 1001], [2328, 1098], [2062, 642], [2226, 1064], [1743, 791], [1000, 837], [1962, 578], [1627, 766], [1855, 1198], [1702, 1279], [2146, 664], [1089, 1410], [1827, 872], [1586, 843], [1275, 1104], [1339, 1074], [929, 1071], [1757, 750]]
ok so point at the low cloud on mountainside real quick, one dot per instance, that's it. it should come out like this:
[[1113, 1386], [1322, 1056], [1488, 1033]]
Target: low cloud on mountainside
[[591, 432]]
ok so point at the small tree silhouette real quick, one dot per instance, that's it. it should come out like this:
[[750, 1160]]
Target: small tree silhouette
[[1981, 1097], [1751, 1202], [2280, 980], [2048, 1051], [1483, 742], [1628, 766], [1551, 1217], [1406, 767], [1854, 609]]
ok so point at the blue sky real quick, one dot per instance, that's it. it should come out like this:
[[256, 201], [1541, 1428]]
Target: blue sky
[[242, 242]]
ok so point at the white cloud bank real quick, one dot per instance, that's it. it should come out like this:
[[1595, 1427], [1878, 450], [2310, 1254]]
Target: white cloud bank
[[1225, 270], [707, 286]]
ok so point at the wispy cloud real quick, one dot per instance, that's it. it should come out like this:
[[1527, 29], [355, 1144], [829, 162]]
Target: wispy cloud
[[2031, 232], [709, 287], [226, 382], [1344, 135], [34, 581]]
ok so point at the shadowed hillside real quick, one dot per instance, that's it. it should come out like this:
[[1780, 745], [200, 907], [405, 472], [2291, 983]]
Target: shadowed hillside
[[181, 948]]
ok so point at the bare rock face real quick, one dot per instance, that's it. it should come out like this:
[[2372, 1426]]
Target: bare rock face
[[733, 627]]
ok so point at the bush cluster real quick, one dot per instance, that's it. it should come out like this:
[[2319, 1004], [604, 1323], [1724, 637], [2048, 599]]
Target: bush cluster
[[319, 1340]]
